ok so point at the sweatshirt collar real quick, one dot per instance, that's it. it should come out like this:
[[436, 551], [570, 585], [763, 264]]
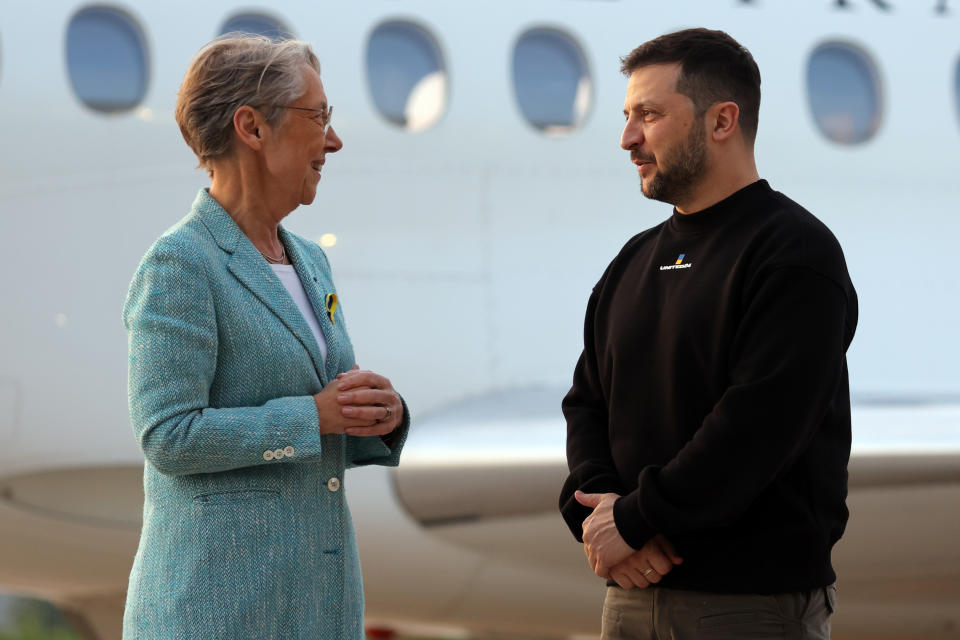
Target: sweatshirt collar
[[716, 214]]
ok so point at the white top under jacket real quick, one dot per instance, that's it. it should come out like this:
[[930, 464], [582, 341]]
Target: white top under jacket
[[291, 281]]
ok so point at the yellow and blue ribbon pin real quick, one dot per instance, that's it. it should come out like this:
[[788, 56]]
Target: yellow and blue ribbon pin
[[331, 305]]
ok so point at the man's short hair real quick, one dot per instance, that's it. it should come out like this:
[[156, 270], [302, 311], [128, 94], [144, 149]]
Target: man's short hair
[[713, 68]]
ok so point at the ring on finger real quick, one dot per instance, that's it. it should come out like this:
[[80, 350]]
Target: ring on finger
[[647, 571], [388, 414]]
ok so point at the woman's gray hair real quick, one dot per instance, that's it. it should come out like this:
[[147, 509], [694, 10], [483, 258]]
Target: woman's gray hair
[[232, 71]]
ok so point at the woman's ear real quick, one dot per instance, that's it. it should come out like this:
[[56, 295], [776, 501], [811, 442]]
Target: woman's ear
[[248, 124]]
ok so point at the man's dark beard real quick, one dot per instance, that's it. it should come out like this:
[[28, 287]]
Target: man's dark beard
[[679, 172]]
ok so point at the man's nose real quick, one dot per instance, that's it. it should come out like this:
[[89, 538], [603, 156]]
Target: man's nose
[[631, 137], [333, 143]]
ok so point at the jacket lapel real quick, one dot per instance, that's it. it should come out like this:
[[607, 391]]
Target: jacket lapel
[[318, 284], [253, 272]]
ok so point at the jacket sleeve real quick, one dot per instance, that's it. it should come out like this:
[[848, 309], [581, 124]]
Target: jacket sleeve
[[588, 445], [787, 362], [172, 331]]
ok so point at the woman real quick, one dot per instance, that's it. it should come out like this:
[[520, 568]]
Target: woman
[[244, 394]]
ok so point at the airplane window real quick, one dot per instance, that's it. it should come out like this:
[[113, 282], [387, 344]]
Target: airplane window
[[551, 80], [843, 87], [257, 24], [106, 59], [406, 73]]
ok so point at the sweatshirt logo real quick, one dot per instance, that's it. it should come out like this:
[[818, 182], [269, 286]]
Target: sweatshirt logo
[[679, 264]]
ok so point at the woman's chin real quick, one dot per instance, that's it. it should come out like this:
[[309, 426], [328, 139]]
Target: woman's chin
[[309, 194]]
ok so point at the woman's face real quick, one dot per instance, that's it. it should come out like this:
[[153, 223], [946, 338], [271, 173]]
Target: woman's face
[[298, 146]]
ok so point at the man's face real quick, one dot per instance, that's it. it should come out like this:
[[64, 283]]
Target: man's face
[[665, 139]]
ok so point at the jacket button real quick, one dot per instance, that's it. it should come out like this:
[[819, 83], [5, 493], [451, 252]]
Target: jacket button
[[333, 484], [278, 454], [289, 451], [268, 455]]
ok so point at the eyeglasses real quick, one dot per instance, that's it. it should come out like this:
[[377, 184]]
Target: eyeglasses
[[321, 116]]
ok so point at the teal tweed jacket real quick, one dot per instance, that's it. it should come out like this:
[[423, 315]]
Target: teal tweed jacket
[[246, 530]]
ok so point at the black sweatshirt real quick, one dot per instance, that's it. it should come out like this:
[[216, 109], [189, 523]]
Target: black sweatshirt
[[712, 395]]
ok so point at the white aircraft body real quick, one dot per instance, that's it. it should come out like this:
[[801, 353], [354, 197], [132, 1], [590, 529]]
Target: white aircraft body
[[466, 244]]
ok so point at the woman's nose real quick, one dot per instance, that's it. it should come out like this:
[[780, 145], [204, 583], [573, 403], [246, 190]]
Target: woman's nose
[[334, 143]]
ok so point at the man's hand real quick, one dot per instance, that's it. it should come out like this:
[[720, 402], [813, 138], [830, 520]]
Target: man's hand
[[601, 540], [647, 566]]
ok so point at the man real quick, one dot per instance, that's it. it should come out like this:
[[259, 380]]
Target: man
[[708, 426]]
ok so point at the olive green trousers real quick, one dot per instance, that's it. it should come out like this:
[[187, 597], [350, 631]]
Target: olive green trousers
[[670, 614]]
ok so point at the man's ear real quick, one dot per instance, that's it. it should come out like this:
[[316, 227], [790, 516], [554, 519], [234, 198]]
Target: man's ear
[[723, 118], [248, 124]]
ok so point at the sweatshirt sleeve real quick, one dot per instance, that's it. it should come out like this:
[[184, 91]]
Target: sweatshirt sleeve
[[787, 361], [171, 322], [588, 445]]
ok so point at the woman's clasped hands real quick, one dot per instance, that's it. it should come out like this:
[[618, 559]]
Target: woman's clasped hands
[[359, 403]]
